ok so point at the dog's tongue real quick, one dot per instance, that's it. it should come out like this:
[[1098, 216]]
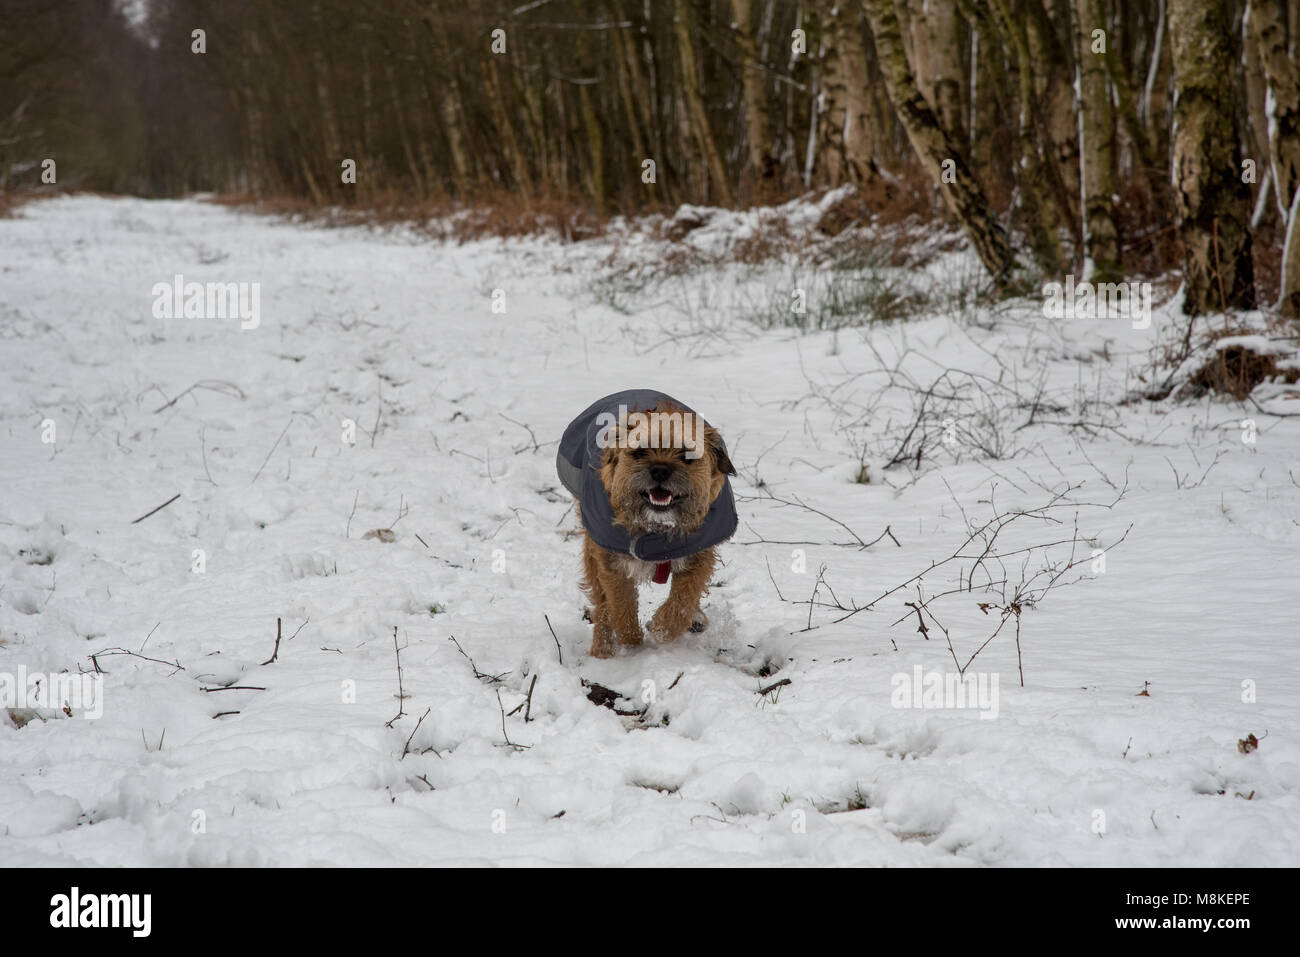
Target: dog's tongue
[[661, 498]]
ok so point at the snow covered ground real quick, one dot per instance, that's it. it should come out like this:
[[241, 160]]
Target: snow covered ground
[[1197, 606]]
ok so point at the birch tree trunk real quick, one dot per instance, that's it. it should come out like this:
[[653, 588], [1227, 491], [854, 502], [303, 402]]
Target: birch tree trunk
[[1040, 219], [845, 116], [1213, 202], [859, 145], [1052, 50], [945, 70], [1264, 20], [1096, 147], [942, 158]]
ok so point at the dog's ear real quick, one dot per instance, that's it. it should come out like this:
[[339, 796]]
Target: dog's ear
[[718, 449]]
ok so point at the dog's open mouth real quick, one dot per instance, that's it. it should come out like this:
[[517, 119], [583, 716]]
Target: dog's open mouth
[[659, 497]]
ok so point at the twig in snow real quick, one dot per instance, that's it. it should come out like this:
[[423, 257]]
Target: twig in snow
[[347, 532], [858, 542], [401, 694], [272, 452], [481, 676], [557, 640], [156, 510], [509, 743], [112, 652], [214, 385], [527, 705], [531, 435], [148, 636], [203, 448], [772, 578], [402, 509], [406, 748], [276, 652]]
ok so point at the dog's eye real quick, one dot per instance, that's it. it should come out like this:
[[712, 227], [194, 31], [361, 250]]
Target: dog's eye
[[637, 453]]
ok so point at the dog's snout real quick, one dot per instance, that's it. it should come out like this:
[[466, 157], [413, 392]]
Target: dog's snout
[[660, 472]]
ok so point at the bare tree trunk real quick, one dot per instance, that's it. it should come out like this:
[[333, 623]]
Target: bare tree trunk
[[1289, 300], [505, 131], [1126, 108], [626, 64], [834, 88], [859, 143], [449, 110], [945, 71], [1213, 202], [333, 140], [1155, 93], [257, 163], [1096, 149], [1033, 182], [1265, 23], [399, 115], [754, 88], [698, 116], [845, 116], [942, 158], [1257, 104], [916, 44], [1053, 49]]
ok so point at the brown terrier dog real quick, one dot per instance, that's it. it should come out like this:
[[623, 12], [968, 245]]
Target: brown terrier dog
[[650, 479]]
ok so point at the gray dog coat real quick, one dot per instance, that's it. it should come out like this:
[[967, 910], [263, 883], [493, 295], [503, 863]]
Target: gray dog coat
[[578, 464]]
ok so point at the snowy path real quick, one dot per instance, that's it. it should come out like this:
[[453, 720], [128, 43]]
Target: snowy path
[[1199, 599]]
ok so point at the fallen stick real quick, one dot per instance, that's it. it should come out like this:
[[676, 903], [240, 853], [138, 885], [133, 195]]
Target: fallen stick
[[773, 686], [158, 509]]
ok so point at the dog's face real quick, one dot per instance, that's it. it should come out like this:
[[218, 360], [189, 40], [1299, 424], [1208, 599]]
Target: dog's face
[[663, 470]]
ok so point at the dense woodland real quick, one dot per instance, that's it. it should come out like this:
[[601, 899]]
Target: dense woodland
[[1104, 138]]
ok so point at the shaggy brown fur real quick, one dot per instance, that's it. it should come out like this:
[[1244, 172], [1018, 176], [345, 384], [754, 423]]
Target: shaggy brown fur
[[640, 470]]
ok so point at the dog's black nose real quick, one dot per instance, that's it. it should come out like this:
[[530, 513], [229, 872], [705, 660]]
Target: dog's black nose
[[660, 472]]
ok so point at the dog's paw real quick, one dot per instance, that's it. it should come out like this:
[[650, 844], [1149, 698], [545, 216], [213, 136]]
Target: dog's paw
[[632, 638], [666, 626], [699, 621]]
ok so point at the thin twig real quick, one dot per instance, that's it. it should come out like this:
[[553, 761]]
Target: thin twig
[[272, 452], [406, 748], [156, 510], [401, 694], [558, 651], [276, 653]]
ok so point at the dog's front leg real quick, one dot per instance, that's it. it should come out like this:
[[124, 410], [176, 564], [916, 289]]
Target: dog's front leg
[[621, 606], [682, 606], [602, 639]]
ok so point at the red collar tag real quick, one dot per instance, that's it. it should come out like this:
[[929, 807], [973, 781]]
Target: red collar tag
[[661, 572]]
